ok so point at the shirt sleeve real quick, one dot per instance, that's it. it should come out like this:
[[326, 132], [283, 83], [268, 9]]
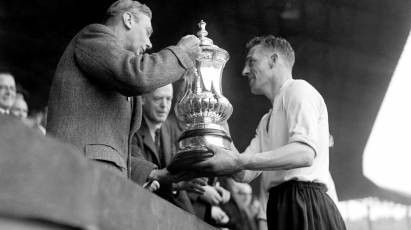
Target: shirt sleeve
[[254, 147], [302, 106]]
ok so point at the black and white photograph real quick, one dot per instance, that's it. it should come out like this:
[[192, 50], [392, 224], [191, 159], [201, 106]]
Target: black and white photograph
[[218, 114]]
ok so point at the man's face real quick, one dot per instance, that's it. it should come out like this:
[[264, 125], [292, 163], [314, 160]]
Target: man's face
[[19, 108], [140, 33], [257, 69], [7, 91], [156, 105], [245, 193]]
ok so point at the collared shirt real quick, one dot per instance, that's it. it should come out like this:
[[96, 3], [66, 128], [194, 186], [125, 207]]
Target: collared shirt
[[152, 127], [298, 114]]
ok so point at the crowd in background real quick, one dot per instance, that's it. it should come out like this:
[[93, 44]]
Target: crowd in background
[[222, 202], [13, 101]]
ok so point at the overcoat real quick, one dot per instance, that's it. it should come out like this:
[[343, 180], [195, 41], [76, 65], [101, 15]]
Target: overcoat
[[94, 101]]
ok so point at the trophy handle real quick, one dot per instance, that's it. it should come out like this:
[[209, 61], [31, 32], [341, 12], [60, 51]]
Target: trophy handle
[[183, 90]]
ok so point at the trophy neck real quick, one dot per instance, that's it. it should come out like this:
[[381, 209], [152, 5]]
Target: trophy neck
[[203, 102]]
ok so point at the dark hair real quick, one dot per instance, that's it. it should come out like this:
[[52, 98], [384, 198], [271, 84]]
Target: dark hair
[[277, 44], [133, 7]]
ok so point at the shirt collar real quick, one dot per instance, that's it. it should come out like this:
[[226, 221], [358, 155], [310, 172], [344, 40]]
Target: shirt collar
[[287, 82], [152, 127]]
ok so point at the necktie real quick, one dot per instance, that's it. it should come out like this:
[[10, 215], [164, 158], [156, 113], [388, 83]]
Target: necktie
[[157, 140], [157, 143]]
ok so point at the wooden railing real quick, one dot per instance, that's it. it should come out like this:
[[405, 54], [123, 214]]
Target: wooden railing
[[45, 184]]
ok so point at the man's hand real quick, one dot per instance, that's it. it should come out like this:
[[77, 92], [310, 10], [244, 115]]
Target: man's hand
[[225, 194], [164, 176], [195, 185], [224, 162], [151, 186], [211, 195], [218, 215], [191, 45]]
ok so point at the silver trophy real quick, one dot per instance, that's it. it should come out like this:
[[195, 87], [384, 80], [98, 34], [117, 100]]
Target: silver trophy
[[202, 108]]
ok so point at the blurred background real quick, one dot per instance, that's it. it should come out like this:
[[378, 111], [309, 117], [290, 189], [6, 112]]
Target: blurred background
[[348, 49]]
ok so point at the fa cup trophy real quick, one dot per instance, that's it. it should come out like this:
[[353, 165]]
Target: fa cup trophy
[[202, 108]]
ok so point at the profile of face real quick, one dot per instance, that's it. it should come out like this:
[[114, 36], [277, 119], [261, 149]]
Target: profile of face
[[7, 91], [258, 69], [244, 193], [157, 104], [19, 108], [139, 30]]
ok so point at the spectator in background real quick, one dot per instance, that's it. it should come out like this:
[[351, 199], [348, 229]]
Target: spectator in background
[[208, 205], [242, 209], [19, 108], [37, 118], [7, 92], [153, 143]]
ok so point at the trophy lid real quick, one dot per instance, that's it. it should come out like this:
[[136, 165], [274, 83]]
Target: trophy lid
[[207, 43]]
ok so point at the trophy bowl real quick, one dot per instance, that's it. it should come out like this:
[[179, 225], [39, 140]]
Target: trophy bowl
[[202, 108]]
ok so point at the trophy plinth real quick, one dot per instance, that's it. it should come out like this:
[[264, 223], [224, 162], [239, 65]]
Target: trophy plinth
[[202, 107]]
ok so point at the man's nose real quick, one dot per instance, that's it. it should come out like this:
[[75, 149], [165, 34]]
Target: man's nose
[[245, 71], [9, 90], [149, 45], [163, 103]]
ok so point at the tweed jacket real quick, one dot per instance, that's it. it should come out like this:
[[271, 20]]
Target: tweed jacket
[[94, 100]]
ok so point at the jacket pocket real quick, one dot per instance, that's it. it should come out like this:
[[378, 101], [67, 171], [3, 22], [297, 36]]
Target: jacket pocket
[[105, 153]]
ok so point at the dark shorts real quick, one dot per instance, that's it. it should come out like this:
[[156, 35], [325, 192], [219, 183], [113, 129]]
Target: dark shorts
[[303, 206]]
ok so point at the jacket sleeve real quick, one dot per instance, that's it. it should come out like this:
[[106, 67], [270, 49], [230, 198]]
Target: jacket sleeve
[[140, 167], [102, 57]]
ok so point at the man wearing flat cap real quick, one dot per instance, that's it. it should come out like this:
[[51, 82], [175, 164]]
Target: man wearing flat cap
[[95, 95]]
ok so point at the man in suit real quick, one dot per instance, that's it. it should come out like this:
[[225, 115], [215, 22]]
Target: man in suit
[[94, 100], [7, 92], [153, 142]]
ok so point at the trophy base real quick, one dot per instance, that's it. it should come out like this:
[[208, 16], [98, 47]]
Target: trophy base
[[192, 147]]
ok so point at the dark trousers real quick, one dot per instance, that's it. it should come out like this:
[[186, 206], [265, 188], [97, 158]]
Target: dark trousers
[[302, 206]]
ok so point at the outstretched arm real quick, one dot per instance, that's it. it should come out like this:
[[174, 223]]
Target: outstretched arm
[[227, 162], [100, 54]]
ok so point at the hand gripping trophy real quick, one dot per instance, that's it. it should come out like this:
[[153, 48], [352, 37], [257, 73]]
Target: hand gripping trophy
[[202, 107]]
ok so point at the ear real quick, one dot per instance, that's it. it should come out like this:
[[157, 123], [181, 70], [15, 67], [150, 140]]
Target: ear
[[273, 60], [128, 20]]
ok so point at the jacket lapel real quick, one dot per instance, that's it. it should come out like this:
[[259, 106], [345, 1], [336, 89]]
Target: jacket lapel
[[136, 115], [149, 143], [166, 144]]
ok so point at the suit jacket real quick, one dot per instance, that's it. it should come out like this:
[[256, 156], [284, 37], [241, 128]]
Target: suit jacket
[[90, 102], [143, 146]]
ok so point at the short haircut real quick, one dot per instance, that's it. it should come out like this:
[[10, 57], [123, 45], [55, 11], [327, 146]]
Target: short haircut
[[6, 74], [278, 44], [133, 7]]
